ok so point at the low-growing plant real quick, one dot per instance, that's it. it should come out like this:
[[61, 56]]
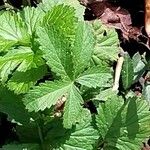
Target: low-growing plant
[[52, 64]]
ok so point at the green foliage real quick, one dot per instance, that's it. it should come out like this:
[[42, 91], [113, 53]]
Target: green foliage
[[53, 64], [121, 123], [127, 72]]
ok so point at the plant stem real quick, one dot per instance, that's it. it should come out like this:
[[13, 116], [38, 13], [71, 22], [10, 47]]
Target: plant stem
[[117, 73]]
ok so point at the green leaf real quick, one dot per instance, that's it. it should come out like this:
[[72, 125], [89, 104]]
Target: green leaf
[[105, 94], [12, 28], [30, 146], [47, 5], [123, 126], [83, 47], [32, 17], [55, 40], [127, 72], [13, 106], [23, 63], [95, 77], [13, 59], [5, 44], [81, 137], [107, 42], [45, 95], [79, 9], [73, 107], [35, 70], [146, 92], [139, 66]]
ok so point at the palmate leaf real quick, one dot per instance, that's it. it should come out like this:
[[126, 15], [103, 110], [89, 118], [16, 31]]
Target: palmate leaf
[[13, 106], [81, 137], [45, 95], [30, 146], [107, 42], [54, 43], [83, 47], [12, 28], [95, 77], [27, 68], [73, 108], [124, 126]]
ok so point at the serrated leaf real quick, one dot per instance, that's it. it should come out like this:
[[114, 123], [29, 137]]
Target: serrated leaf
[[5, 45], [83, 47], [95, 77], [79, 9], [30, 146], [13, 106], [105, 94], [127, 72], [124, 126], [12, 28], [107, 43], [72, 107], [81, 137], [35, 70], [46, 5], [12, 60], [23, 63], [55, 40], [32, 17], [45, 95]]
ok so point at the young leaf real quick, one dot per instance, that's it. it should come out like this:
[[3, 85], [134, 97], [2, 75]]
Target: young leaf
[[73, 107], [45, 95], [30, 146], [127, 72], [95, 77], [107, 43], [13, 106], [81, 137], [123, 126], [55, 40], [83, 47]]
